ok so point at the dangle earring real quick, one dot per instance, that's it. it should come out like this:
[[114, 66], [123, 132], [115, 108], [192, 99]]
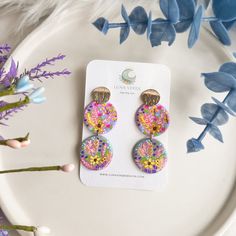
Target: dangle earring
[[152, 120], [100, 117]]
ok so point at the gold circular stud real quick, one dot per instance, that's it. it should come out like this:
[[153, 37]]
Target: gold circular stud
[[150, 97], [101, 94]]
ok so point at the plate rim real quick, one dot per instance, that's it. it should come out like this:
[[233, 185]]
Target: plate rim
[[49, 22]]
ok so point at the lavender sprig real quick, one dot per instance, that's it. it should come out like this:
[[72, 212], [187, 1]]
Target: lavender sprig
[[5, 48], [51, 75], [5, 115], [2, 72], [50, 61], [13, 84], [7, 80], [2, 231], [3, 59]]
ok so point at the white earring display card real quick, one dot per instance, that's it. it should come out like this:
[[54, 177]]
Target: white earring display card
[[126, 82]]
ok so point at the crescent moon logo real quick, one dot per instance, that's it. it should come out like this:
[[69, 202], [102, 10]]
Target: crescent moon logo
[[128, 76]]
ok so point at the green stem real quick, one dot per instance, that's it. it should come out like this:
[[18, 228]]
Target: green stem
[[15, 104], [20, 139], [9, 91], [30, 169], [19, 227]]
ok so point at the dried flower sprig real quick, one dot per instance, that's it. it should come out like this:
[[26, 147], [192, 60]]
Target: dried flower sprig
[[7, 109], [4, 233], [11, 84], [16, 142], [37, 231], [65, 168], [9, 78], [8, 113], [46, 62], [180, 15], [216, 114], [5, 48], [51, 75], [3, 59], [37, 72]]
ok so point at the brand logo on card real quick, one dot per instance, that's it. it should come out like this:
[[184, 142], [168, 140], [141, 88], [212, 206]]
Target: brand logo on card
[[128, 76], [128, 79]]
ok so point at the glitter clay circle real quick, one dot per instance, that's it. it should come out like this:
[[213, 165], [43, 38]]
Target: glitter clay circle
[[96, 152], [100, 118], [152, 120], [149, 155]]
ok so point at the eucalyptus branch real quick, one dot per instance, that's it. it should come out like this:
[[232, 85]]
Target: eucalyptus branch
[[179, 16], [154, 22], [217, 113]]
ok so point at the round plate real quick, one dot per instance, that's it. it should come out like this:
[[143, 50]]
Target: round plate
[[201, 194]]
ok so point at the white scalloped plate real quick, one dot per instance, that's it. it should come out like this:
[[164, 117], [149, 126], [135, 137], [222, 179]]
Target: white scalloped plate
[[201, 196]]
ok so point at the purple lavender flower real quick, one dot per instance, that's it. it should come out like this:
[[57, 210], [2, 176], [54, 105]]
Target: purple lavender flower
[[2, 71], [3, 233], [5, 115], [5, 48], [50, 61], [51, 75], [10, 75], [38, 73], [3, 59], [11, 83]]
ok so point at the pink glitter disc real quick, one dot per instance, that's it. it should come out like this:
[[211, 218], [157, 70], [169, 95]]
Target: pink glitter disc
[[96, 152], [152, 120], [149, 155], [100, 118]]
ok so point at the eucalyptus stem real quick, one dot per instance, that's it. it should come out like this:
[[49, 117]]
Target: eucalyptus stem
[[117, 25], [19, 227], [204, 132], [32, 169], [9, 91], [154, 22], [124, 24], [210, 18], [15, 104]]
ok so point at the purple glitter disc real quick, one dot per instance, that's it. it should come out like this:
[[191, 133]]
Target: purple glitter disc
[[152, 120], [100, 118], [96, 152], [149, 155]]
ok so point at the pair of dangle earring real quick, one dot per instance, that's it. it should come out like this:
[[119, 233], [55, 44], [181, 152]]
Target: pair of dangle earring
[[100, 117], [152, 120]]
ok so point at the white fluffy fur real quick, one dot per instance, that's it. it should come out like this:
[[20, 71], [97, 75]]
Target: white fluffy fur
[[32, 12]]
